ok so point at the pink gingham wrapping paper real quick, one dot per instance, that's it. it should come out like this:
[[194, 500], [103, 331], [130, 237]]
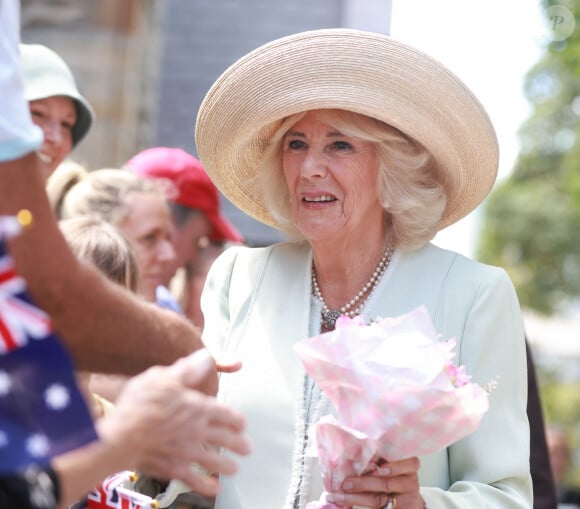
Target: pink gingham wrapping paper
[[396, 391]]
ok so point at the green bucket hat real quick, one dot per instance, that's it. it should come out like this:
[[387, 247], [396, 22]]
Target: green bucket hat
[[46, 74]]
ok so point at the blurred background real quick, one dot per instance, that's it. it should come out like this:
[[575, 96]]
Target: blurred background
[[145, 66]]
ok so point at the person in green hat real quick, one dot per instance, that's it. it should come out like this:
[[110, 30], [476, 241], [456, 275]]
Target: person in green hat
[[56, 105]]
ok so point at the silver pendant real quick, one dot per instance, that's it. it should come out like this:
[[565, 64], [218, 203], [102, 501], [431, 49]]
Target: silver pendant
[[329, 318]]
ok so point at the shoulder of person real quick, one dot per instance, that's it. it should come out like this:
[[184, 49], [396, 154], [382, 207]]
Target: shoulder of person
[[433, 259]]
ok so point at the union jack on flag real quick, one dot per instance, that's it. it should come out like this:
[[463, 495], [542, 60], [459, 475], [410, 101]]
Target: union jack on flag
[[115, 493], [42, 411]]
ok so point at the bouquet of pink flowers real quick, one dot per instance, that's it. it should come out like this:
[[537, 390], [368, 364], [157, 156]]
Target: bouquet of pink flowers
[[396, 390]]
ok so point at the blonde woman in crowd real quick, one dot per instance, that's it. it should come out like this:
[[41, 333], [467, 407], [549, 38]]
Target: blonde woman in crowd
[[136, 206], [102, 245]]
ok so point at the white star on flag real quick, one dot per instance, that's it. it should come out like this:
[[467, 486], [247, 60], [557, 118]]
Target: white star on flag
[[38, 445], [57, 397], [5, 383]]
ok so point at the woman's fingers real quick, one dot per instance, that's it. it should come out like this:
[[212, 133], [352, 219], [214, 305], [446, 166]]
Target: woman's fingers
[[394, 479], [371, 500], [227, 366]]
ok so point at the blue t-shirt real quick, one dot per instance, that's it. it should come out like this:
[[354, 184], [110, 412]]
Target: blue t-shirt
[[164, 299]]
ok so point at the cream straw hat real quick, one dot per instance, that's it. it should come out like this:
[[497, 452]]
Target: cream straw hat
[[363, 72]]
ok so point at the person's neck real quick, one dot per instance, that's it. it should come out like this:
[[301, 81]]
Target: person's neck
[[343, 268]]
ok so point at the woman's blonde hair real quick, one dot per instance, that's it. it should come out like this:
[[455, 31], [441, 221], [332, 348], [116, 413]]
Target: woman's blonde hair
[[74, 191], [94, 240], [408, 183]]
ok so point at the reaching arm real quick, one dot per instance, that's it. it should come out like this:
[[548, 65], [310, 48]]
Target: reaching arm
[[105, 327], [159, 426]]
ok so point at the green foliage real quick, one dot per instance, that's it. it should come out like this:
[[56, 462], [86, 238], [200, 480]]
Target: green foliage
[[531, 223], [562, 403]]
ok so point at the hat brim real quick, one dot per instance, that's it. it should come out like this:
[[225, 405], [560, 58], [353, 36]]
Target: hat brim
[[362, 72], [85, 118]]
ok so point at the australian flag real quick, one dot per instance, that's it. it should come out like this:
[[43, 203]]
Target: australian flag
[[42, 411]]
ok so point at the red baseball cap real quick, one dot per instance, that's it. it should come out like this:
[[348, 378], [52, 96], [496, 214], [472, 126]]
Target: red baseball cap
[[193, 187]]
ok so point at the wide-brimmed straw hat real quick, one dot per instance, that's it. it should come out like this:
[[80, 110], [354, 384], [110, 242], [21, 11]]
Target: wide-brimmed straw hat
[[46, 74], [363, 72]]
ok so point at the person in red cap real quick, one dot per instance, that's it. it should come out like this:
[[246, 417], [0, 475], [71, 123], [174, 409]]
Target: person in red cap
[[195, 209]]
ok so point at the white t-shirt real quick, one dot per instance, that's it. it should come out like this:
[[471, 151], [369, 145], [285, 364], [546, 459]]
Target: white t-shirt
[[18, 135]]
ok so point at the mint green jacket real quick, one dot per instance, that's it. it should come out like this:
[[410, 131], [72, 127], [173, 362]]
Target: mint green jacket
[[257, 303]]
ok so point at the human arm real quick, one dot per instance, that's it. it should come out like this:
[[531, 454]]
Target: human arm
[[110, 386], [490, 467], [159, 427], [105, 327]]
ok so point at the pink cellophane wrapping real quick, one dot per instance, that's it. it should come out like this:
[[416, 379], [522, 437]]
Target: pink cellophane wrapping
[[396, 391]]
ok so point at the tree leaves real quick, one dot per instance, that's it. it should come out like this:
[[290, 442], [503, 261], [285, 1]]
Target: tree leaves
[[531, 221]]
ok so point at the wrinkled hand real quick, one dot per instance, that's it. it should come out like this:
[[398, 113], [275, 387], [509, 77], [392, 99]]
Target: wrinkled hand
[[165, 425], [375, 488]]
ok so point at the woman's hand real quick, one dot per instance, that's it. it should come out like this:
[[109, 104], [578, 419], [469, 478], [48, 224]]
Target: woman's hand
[[395, 482]]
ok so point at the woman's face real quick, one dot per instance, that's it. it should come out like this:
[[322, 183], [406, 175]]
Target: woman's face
[[332, 180], [56, 116], [147, 226]]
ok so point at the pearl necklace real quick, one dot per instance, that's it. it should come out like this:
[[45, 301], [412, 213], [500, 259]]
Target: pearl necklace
[[354, 307]]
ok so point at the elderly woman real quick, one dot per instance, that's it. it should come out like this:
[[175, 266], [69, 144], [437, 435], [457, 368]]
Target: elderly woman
[[55, 102], [361, 149]]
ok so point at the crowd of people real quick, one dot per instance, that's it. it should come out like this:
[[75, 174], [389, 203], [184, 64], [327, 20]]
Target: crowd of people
[[105, 327], [359, 149]]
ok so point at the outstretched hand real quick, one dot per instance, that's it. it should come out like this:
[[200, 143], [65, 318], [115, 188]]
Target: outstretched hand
[[166, 424]]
